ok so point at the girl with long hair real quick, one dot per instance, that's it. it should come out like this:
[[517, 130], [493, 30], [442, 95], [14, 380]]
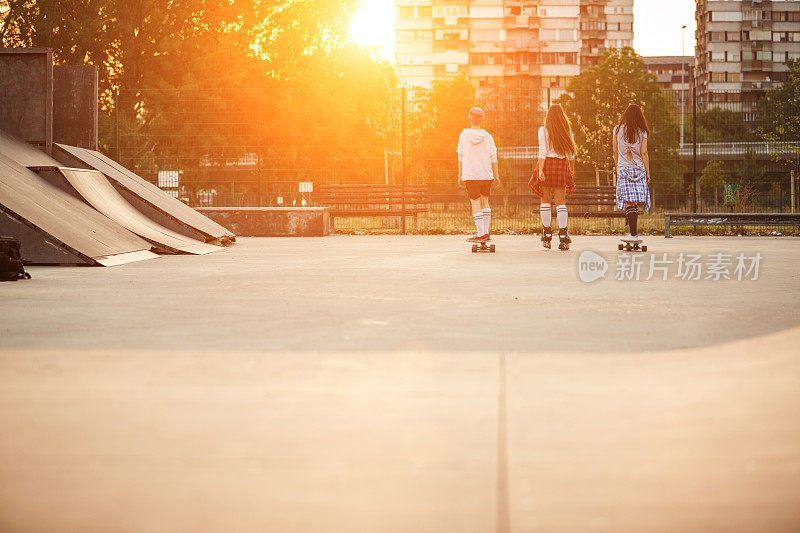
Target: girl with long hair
[[632, 162], [555, 169]]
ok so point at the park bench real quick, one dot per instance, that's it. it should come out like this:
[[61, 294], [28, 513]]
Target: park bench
[[372, 200], [729, 219]]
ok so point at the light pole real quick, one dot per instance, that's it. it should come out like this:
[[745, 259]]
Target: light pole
[[683, 75]]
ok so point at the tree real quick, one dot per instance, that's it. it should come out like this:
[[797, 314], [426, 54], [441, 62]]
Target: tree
[[193, 84], [720, 125], [751, 173], [155, 43], [435, 118], [594, 102], [780, 108], [712, 178]]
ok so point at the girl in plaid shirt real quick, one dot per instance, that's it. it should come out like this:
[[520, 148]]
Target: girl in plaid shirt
[[633, 166]]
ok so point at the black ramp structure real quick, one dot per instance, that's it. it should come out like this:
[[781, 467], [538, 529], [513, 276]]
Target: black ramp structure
[[26, 94], [94, 188], [56, 228], [146, 197], [75, 105]]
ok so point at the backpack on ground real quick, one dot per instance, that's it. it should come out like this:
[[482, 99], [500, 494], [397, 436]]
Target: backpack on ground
[[11, 268]]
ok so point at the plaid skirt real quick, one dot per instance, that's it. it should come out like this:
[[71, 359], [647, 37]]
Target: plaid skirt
[[632, 187], [556, 175]]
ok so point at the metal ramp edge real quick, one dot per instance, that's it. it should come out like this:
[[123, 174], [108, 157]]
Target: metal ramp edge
[[56, 229], [94, 188], [147, 197]]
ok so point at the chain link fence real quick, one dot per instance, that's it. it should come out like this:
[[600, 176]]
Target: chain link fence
[[276, 146]]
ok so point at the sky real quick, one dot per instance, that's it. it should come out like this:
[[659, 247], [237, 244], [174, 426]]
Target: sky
[[656, 26]]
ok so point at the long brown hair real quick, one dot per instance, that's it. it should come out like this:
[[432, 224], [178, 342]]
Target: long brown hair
[[634, 122], [560, 130]]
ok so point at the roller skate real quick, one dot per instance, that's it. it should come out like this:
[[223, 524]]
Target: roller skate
[[547, 236], [564, 240]]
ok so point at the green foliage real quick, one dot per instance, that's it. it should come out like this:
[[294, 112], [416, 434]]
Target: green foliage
[[150, 43], [712, 180], [780, 108], [436, 117], [751, 173], [713, 176], [718, 125], [595, 101], [192, 81]]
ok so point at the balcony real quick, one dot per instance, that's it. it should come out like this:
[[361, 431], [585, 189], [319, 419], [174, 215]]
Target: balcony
[[527, 69], [514, 45], [517, 21], [593, 50], [757, 65], [756, 4], [592, 34], [461, 23], [748, 25]]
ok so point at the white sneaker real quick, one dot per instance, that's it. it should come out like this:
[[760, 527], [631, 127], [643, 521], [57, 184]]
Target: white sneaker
[[629, 238]]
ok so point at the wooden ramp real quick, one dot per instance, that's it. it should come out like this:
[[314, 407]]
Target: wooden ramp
[[167, 211], [94, 188], [56, 228]]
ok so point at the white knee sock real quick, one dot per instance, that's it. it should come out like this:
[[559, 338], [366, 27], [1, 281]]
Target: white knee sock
[[561, 215], [546, 214], [487, 219], [478, 218]]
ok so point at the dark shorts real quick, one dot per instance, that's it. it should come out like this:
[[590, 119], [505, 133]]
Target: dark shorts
[[478, 188]]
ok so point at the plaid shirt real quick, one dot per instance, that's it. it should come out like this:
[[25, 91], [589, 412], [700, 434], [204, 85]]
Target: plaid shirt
[[632, 187]]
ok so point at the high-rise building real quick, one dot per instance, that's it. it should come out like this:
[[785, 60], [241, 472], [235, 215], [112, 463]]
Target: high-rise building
[[672, 72], [604, 24], [742, 48], [543, 42]]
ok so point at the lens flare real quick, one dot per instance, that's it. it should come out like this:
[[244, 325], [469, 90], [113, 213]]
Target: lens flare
[[373, 26]]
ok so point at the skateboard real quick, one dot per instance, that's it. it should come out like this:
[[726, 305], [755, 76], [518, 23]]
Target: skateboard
[[632, 246], [483, 248]]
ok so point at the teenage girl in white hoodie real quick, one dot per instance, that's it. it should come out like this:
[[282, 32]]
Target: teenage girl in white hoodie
[[477, 171]]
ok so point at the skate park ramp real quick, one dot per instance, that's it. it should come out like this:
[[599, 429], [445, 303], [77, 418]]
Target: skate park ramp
[[146, 197], [94, 188], [56, 228]]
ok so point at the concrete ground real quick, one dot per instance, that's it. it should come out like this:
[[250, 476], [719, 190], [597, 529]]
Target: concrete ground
[[388, 293], [402, 384]]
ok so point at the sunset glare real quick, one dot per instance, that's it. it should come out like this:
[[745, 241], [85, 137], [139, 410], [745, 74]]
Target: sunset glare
[[373, 27]]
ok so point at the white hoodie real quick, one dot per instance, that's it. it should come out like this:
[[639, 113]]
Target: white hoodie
[[476, 151]]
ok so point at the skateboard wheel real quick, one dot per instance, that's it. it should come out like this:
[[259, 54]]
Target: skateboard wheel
[[644, 248], [491, 248], [621, 246], [474, 248]]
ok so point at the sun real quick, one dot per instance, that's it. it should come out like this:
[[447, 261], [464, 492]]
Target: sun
[[373, 26]]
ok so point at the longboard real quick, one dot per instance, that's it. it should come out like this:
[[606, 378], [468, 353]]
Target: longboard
[[632, 246], [481, 246]]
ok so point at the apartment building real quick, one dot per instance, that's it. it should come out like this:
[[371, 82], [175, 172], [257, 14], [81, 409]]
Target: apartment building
[[742, 47], [542, 43], [672, 73], [604, 24]]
